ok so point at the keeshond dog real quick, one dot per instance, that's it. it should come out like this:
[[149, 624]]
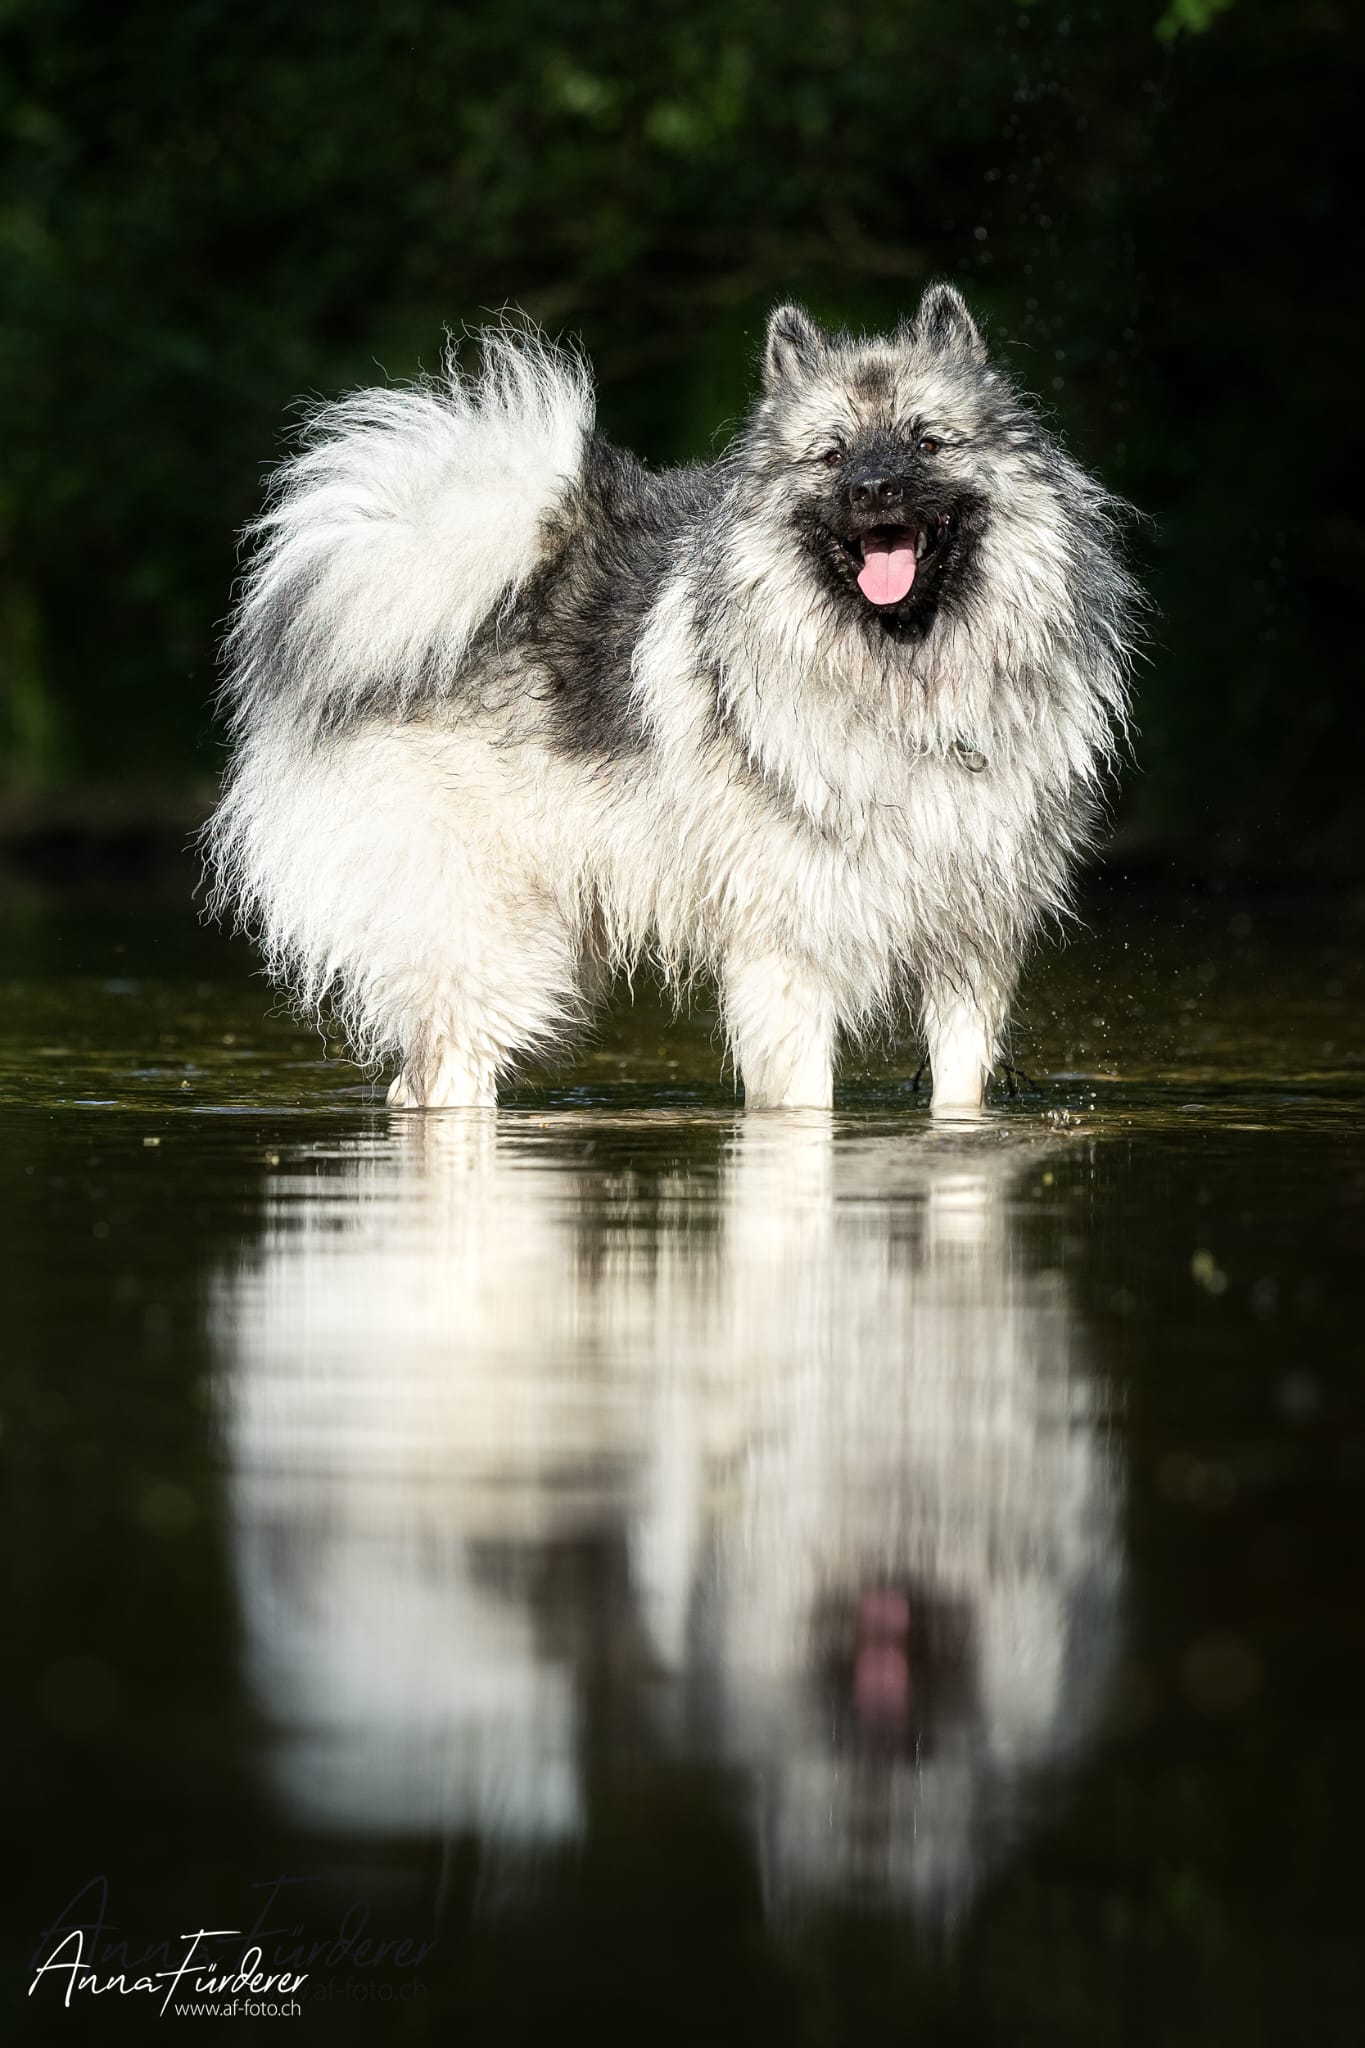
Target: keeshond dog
[[826, 719]]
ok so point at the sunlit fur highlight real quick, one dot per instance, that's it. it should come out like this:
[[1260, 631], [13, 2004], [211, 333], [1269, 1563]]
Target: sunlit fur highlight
[[511, 713]]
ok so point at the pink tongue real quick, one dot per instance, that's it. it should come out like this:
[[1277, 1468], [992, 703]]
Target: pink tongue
[[888, 570]]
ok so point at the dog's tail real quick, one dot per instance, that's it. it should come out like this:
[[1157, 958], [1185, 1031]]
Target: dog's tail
[[408, 517]]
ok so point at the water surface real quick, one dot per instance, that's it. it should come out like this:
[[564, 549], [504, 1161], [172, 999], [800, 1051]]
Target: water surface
[[691, 1579]]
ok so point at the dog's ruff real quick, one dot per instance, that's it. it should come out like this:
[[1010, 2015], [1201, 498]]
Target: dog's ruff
[[512, 713]]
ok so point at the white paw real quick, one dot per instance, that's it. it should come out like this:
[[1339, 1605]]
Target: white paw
[[446, 1082]]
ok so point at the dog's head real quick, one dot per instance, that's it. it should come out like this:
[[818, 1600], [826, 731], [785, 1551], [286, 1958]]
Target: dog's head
[[881, 455]]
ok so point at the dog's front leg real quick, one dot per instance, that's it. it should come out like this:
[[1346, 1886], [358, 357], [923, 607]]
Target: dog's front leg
[[781, 1025], [962, 1033]]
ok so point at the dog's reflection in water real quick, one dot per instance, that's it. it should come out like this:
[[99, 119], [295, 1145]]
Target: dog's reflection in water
[[772, 1444]]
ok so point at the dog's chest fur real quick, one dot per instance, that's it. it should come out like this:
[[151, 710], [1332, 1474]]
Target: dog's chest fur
[[792, 820]]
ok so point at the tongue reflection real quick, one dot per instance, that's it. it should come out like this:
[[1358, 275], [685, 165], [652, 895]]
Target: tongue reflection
[[888, 567]]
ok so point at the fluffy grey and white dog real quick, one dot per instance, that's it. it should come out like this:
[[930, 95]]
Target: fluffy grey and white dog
[[825, 718]]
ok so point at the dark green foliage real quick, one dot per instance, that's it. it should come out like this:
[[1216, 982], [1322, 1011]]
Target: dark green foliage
[[218, 206]]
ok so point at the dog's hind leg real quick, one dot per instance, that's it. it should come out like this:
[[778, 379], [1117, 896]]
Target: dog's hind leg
[[443, 1082], [483, 968], [781, 1026], [498, 987], [392, 874]]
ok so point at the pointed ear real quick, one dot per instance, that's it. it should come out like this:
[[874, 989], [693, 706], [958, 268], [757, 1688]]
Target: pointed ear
[[793, 347], [944, 323]]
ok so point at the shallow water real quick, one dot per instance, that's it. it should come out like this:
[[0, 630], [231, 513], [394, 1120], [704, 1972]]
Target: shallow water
[[692, 1579]]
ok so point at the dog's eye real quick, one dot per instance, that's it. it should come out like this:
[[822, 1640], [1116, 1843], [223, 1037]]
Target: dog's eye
[[929, 446], [833, 457]]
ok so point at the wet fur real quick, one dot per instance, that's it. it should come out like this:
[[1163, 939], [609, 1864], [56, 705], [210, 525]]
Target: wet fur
[[511, 711]]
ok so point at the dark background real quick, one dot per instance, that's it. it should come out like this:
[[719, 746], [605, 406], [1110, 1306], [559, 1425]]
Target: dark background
[[215, 207]]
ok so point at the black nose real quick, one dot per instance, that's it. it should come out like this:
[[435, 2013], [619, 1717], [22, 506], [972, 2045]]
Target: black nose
[[874, 493]]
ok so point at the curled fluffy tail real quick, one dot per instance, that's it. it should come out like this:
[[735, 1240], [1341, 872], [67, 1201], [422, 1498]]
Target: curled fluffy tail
[[408, 517]]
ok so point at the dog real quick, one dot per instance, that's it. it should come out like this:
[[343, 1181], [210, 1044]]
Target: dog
[[827, 719]]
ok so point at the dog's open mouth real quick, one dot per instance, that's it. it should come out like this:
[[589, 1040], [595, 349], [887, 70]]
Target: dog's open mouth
[[886, 558]]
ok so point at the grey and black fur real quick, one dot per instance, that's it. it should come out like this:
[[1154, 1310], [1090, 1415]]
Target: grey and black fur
[[826, 718]]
